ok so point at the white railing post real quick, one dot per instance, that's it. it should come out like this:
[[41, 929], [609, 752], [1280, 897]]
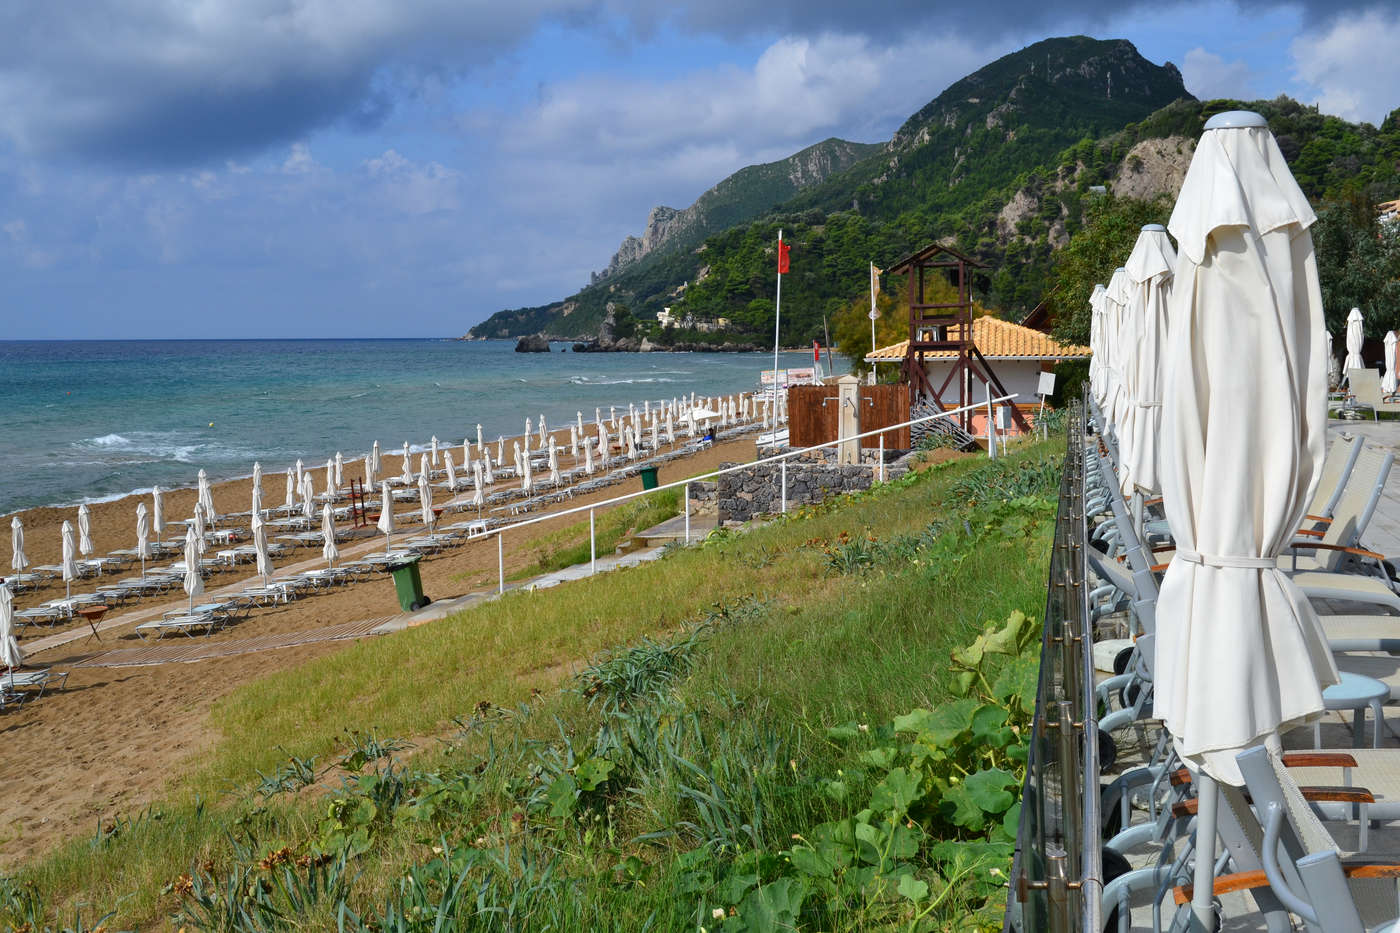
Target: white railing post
[[784, 493], [592, 545], [882, 458], [687, 512], [501, 562]]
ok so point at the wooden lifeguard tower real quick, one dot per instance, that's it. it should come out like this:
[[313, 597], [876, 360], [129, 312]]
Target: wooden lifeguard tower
[[945, 328]]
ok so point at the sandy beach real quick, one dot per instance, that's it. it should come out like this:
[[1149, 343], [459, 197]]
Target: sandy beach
[[115, 737]]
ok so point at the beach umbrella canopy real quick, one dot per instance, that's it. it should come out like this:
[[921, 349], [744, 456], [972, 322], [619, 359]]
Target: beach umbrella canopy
[[1355, 338], [1116, 310], [527, 434], [261, 550], [451, 470], [199, 527], [308, 493], [423, 468], [10, 655], [330, 477], [588, 456], [386, 514], [328, 549], [85, 546], [157, 512], [194, 581], [670, 427], [291, 501], [1149, 268], [554, 476], [1240, 655], [257, 478], [603, 444], [433, 445], [407, 473], [526, 482], [655, 435], [339, 470], [297, 473], [376, 467], [1096, 337], [480, 445], [573, 441], [580, 422], [206, 496], [486, 466], [369, 469], [143, 536], [631, 444], [466, 455], [1334, 372], [479, 495], [1388, 380], [500, 449], [70, 554], [19, 562], [543, 431], [425, 500]]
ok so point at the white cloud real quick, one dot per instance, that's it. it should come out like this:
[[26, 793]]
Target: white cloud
[[414, 188], [1353, 65], [1207, 75], [299, 160]]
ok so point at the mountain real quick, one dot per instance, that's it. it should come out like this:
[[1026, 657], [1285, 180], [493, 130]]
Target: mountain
[[1001, 163], [742, 196]]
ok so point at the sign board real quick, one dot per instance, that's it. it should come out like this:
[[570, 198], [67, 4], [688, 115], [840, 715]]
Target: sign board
[[805, 375], [1047, 384]]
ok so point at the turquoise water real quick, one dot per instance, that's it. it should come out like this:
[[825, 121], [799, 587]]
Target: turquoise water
[[90, 420]]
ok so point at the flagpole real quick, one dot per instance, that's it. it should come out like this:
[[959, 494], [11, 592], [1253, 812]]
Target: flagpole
[[777, 319]]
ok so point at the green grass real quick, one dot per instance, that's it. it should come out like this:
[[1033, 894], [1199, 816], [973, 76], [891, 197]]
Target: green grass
[[791, 647], [569, 546]]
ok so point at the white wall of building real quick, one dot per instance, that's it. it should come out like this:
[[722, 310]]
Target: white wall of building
[[1020, 377]]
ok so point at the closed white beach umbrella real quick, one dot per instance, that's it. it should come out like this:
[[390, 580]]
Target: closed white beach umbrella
[[257, 479], [480, 444], [328, 549], [424, 470], [580, 422], [297, 473], [670, 427], [291, 500], [486, 467], [573, 442], [194, 580], [330, 479], [425, 500], [369, 469], [406, 473], [206, 496], [199, 526], [544, 432], [143, 536], [1149, 268], [1117, 311], [257, 503], [1096, 345], [1355, 338], [588, 456], [70, 555], [603, 444], [1334, 372], [631, 444], [526, 435], [597, 415], [433, 445], [10, 655], [376, 464], [526, 481], [500, 450], [157, 512], [85, 546], [19, 561], [308, 496], [339, 470], [479, 495], [655, 435], [1240, 656], [554, 476], [386, 514], [466, 455], [1388, 380], [516, 458], [451, 470], [260, 549]]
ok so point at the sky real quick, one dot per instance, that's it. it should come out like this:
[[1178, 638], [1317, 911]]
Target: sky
[[341, 168]]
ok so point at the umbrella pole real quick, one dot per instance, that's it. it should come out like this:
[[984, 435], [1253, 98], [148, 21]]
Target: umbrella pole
[[1202, 898]]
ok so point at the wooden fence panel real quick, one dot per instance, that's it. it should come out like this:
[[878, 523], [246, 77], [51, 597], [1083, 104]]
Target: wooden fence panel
[[810, 422], [883, 405]]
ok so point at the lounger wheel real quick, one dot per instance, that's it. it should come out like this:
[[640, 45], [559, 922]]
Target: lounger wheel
[[1108, 751], [1114, 866], [1122, 659]]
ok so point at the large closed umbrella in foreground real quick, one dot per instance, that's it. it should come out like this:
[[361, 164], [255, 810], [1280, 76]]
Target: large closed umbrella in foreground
[[69, 562], [10, 655], [19, 561], [143, 537], [386, 515], [194, 580], [1149, 269], [328, 549], [1240, 656], [85, 546], [1355, 338]]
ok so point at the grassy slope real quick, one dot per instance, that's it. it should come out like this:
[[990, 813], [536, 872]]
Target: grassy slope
[[824, 649]]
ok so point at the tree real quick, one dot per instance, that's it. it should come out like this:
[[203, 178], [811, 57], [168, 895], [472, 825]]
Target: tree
[[1358, 265], [1111, 228]]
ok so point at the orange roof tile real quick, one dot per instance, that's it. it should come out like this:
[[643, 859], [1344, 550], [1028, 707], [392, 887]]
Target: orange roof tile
[[998, 340]]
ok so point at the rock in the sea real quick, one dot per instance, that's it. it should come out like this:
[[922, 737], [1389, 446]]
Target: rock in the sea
[[534, 343]]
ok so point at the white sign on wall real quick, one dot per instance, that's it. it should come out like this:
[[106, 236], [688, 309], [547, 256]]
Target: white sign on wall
[[1047, 384]]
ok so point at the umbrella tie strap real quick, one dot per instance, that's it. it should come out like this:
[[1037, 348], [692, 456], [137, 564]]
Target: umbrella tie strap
[[1148, 404], [1221, 560]]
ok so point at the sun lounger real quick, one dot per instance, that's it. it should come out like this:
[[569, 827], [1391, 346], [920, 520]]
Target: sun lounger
[[186, 623], [24, 684], [1364, 386]]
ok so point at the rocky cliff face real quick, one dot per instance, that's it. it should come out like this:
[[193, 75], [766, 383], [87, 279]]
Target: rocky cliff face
[[741, 196]]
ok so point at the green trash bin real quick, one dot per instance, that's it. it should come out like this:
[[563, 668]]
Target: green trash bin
[[408, 584], [648, 477]]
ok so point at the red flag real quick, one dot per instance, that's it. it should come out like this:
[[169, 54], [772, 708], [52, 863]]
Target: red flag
[[816, 352], [783, 257]]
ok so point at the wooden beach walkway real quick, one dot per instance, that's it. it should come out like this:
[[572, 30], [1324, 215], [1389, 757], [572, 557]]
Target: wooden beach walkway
[[176, 650]]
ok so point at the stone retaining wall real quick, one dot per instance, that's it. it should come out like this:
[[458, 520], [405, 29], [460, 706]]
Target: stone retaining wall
[[758, 489]]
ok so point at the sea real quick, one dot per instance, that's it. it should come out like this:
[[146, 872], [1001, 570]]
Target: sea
[[86, 421]]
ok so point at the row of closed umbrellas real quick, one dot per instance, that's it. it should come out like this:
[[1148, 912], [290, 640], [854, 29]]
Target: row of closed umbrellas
[[1210, 370]]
